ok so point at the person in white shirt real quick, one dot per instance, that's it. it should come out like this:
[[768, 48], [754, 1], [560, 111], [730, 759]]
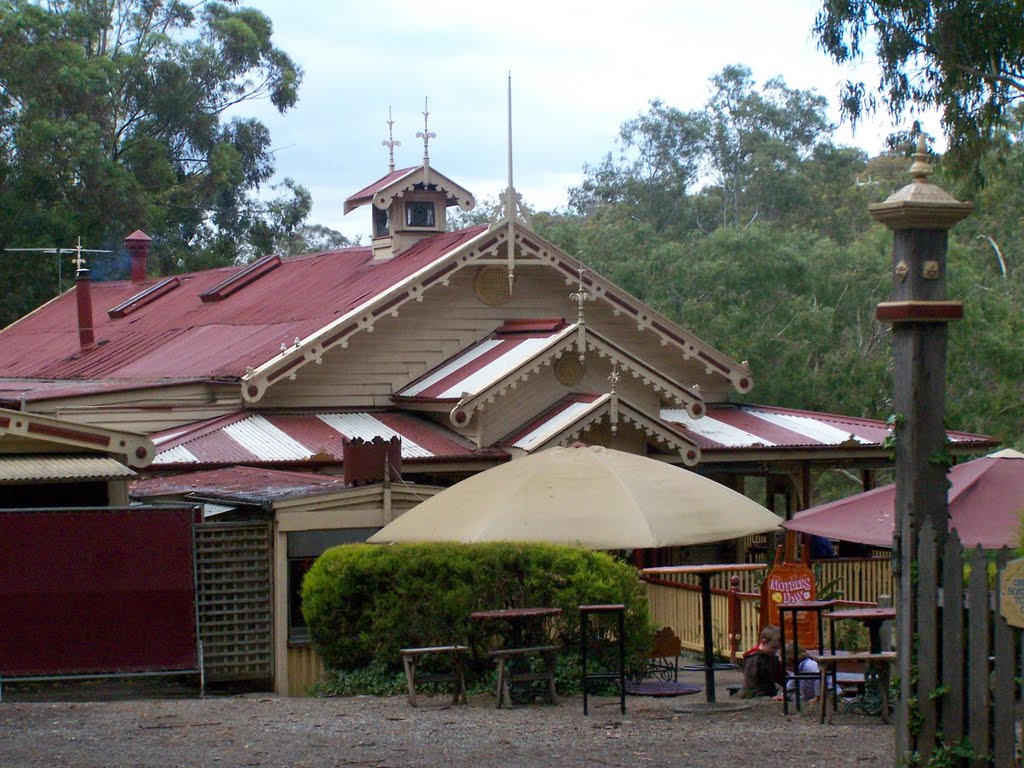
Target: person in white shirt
[[810, 687]]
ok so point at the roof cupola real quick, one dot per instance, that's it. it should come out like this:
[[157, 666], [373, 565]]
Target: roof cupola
[[409, 204]]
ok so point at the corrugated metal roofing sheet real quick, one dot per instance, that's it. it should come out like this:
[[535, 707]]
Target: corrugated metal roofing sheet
[[245, 483], [266, 437], [561, 417], [478, 367], [366, 194], [13, 391], [178, 336], [741, 426], [19, 469]]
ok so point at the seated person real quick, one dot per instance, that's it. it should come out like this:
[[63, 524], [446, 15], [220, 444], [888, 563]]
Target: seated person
[[810, 688], [762, 670]]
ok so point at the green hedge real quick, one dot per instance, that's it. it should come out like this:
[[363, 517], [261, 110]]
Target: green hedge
[[364, 602]]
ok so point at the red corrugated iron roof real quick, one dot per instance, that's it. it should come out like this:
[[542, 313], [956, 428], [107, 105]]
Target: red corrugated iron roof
[[485, 362], [179, 336], [14, 391], [572, 416], [244, 483], [733, 426], [366, 194], [266, 437]]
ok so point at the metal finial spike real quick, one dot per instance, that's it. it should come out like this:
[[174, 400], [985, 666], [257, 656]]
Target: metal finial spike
[[79, 260], [426, 134], [613, 414], [921, 169], [391, 142], [580, 296]]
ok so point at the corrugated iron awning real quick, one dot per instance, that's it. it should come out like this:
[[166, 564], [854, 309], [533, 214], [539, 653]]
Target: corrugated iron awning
[[24, 469]]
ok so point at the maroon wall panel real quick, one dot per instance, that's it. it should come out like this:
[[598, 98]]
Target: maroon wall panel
[[88, 591]]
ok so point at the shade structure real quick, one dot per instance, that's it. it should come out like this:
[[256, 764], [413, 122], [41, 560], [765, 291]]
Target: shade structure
[[591, 497], [986, 501]]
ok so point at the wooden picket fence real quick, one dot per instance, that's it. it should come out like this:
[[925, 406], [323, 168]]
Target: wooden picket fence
[[963, 704]]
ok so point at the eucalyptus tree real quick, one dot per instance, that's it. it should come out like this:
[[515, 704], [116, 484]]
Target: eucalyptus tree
[[739, 158], [125, 114], [962, 57]]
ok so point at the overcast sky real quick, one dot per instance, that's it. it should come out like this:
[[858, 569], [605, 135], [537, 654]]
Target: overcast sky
[[579, 70]]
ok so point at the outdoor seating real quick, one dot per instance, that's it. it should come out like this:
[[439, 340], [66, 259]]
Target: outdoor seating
[[663, 659], [506, 676], [596, 633], [456, 675], [879, 667], [525, 639]]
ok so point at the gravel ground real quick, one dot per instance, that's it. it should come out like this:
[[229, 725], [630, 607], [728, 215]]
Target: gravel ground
[[265, 730]]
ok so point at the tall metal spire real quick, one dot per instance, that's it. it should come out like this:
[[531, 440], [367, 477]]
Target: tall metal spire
[[391, 142], [510, 198]]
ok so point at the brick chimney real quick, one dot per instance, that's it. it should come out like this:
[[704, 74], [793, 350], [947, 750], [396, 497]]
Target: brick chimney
[[137, 244], [83, 297]]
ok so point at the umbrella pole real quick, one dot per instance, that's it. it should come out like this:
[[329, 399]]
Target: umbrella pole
[[709, 648]]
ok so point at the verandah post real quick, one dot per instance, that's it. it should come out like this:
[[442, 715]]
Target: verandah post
[[920, 216]]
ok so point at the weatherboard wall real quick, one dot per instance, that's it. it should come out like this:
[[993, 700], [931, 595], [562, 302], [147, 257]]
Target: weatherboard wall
[[449, 319]]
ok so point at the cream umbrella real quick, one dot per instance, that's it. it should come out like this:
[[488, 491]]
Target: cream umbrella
[[591, 497]]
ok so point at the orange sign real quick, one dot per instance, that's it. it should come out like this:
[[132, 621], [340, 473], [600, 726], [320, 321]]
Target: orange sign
[[790, 583]]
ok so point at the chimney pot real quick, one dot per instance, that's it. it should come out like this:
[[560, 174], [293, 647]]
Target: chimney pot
[[137, 244], [83, 297]]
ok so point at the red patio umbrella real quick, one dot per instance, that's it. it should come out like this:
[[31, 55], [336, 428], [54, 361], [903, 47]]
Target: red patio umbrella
[[986, 501]]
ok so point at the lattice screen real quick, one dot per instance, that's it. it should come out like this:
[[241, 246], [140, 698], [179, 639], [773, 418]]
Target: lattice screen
[[233, 562]]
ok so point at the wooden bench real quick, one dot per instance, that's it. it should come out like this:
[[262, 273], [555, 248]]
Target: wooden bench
[[506, 677], [411, 657], [882, 661]]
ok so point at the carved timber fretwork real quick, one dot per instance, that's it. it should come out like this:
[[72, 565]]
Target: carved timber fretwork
[[599, 413], [485, 248], [565, 344]]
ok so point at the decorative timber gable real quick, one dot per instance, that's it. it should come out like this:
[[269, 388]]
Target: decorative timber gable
[[484, 248]]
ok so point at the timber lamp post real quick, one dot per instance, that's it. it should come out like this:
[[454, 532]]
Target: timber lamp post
[[920, 216]]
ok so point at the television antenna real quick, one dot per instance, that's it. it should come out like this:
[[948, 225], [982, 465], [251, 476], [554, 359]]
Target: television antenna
[[78, 260]]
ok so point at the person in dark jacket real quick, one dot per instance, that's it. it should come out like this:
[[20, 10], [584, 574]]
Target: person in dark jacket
[[762, 669]]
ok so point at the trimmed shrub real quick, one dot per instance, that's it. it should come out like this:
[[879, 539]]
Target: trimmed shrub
[[365, 602]]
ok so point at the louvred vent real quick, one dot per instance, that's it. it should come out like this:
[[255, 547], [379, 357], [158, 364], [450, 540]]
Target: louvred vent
[[141, 299], [240, 279]]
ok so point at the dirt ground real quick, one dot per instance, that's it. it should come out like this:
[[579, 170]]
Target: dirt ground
[[108, 724]]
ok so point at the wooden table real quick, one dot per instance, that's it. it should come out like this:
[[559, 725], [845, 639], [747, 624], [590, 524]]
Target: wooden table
[[876, 692], [519, 620], [873, 618], [704, 573], [882, 663], [525, 637]]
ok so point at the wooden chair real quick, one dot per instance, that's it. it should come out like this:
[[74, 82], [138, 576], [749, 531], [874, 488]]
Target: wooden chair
[[663, 658]]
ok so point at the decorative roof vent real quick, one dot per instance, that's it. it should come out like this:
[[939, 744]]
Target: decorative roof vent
[[141, 299], [240, 279]]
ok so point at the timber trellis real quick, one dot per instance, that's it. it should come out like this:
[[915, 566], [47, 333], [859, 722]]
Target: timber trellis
[[234, 594], [973, 700]]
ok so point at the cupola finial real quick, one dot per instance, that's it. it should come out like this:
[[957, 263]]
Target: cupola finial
[[391, 142], [426, 134]]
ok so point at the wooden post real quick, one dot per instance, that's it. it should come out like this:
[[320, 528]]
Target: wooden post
[[735, 629], [920, 216]]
